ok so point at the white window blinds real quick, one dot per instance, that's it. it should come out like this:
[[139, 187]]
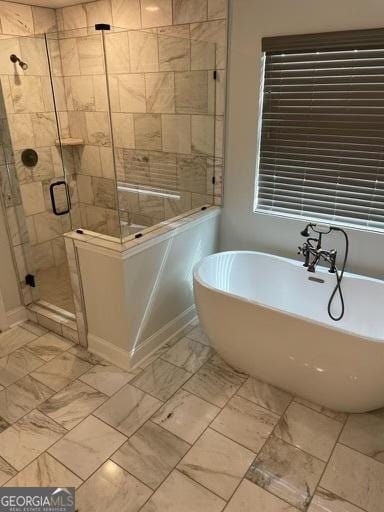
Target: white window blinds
[[322, 133]]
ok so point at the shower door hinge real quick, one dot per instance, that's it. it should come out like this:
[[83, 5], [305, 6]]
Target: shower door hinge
[[30, 280], [215, 75], [213, 180]]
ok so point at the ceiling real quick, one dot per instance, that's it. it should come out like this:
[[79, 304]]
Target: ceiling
[[54, 4]]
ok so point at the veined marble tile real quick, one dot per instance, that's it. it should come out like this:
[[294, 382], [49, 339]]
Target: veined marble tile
[[147, 131], [174, 53], [176, 133], [124, 492], [74, 17], [286, 472], [90, 51], [151, 454], [80, 93], [21, 397], [69, 56], [143, 48], [104, 192], [72, 404], [188, 11], [339, 416], [28, 438], [16, 19], [198, 334], [21, 130], [364, 433], [128, 409], [188, 354], [181, 494], [33, 51], [61, 371], [156, 13], [47, 226], [203, 55], [161, 379], [160, 92], [186, 415], [213, 32], [132, 92], [203, 134], [123, 130], [32, 198], [152, 206], [175, 207], [251, 498], [98, 12], [6, 471], [35, 329], [246, 423], [217, 463], [3, 423], [217, 9], [45, 128], [191, 92], [265, 395], [117, 52], [107, 378], [98, 132], [87, 446], [14, 338], [215, 382], [45, 471], [44, 20], [309, 430], [16, 365], [126, 13], [326, 501], [26, 94], [192, 173], [83, 354], [356, 478]]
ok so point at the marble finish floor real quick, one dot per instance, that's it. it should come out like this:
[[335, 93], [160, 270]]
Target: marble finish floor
[[55, 287], [182, 433]]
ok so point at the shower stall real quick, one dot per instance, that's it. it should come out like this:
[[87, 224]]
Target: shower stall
[[106, 132]]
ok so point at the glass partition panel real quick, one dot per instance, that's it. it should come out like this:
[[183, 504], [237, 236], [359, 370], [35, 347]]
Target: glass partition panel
[[162, 93]]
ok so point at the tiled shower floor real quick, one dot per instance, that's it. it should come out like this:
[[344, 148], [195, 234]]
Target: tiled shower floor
[[55, 287], [185, 433]]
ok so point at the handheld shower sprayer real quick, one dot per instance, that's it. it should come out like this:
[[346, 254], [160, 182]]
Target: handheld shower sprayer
[[317, 252], [15, 59]]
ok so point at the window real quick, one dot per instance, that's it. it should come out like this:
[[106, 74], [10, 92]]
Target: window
[[322, 129]]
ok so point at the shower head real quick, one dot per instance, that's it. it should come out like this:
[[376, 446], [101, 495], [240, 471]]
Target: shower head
[[15, 59]]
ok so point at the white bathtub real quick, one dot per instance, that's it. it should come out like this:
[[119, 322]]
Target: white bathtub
[[266, 317]]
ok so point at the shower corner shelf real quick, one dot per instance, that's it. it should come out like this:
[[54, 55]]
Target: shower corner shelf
[[69, 141]]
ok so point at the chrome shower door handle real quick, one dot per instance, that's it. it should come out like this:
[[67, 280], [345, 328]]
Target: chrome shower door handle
[[52, 188]]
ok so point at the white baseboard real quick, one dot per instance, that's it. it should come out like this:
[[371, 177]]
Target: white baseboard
[[127, 360], [16, 316]]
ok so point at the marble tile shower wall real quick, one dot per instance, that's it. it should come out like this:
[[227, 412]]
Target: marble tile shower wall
[[167, 118], [26, 121]]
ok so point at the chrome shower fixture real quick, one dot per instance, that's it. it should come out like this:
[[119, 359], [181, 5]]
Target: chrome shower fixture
[[14, 58]]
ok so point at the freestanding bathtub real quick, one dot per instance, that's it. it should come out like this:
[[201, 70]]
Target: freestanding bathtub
[[267, 316]]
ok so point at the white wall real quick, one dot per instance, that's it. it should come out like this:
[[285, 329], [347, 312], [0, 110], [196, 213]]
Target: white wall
[[8, 283], [250, 20]]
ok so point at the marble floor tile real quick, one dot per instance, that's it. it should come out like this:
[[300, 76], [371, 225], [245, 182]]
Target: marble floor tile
[[128, 409], [215, 382], [28, 438], [48, 346], [21, 397], [13, 339], [355, 478], [252, 498], [275, 399], [6, 471], [309, 430], [151, 454], [106, 377], [35, 329], [181, 494], [336, 415], [45, 471], [287, 472], [87, 446], [364, 433], [113, 489], [198, 334], [161, 379], [17, 364], [217, 463], [326, 501], [61, 371], [188, 354], [3, 425], [246, 423], [83, 354], [72, 404], [186, 415]]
